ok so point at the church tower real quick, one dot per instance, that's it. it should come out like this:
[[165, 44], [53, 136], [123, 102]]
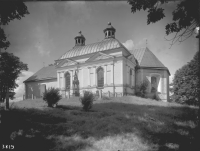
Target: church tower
[[80, 40], [109, 31]]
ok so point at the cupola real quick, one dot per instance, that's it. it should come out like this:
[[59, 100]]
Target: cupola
[[109, 31], [79, 40]]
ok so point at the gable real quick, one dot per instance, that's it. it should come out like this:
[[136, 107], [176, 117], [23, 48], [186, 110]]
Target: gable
[[99, 56], [66, 62]]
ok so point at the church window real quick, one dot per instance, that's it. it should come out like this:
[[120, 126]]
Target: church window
[[100, 77], [67, 80]]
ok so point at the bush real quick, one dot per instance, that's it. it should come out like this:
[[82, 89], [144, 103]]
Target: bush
[[87, 100], [141, 89], [156, 97], [52, 96]]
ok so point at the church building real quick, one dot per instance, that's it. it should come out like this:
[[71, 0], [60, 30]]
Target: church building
[[106, 67]]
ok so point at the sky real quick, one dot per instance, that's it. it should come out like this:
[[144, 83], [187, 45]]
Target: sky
[[48, 32]]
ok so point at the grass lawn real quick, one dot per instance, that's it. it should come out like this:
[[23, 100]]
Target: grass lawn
[[126, 124]]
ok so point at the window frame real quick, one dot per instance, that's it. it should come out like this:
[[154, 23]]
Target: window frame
[[69, 80], [97, 71]]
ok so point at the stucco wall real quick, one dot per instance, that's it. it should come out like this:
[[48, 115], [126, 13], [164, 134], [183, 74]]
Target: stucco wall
[[88, 76], [162, 78], [129, 80], [33, 89]]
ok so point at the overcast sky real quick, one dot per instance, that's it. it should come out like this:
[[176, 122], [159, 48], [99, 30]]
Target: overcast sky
[[49, 30]]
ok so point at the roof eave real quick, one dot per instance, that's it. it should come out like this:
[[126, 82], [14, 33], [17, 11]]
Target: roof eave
[[159, 68], [38, 79]]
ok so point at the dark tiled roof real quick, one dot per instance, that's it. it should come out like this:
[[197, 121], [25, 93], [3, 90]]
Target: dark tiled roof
[[44, 73], [105, 44], [146, 58]]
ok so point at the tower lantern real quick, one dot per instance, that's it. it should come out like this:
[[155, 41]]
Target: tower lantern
[[109, 31], [79, 40]]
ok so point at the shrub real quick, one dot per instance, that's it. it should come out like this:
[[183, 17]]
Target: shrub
[[52, 96], [141, 89], [87, 100], [156, 97]]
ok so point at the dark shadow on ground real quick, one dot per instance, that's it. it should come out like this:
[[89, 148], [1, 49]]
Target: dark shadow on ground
[[168, 128]]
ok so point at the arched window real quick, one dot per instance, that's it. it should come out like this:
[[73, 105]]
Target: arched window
[[153, 84], [100, 77], [67, 80]]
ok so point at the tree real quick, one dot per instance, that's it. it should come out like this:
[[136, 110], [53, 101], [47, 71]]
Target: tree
[[10, 10], [186, 83], [185, 16], [185, 20], [11, 67]]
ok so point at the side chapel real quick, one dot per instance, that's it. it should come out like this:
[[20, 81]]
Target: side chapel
[[106, 67]]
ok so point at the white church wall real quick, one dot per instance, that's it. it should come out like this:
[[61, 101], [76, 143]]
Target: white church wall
[[166, 75], [128, 80], [118, 72], [162, 78], [109, 70], [87, 73], [33, 88], [85, 77]]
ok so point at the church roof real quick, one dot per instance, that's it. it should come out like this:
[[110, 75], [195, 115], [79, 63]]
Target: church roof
[[106, 44], [44, 74], [146, 58]]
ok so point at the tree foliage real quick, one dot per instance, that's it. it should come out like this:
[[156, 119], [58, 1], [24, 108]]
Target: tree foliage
[[186, 83], [10, 10], [10, 67], [185, 16]]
